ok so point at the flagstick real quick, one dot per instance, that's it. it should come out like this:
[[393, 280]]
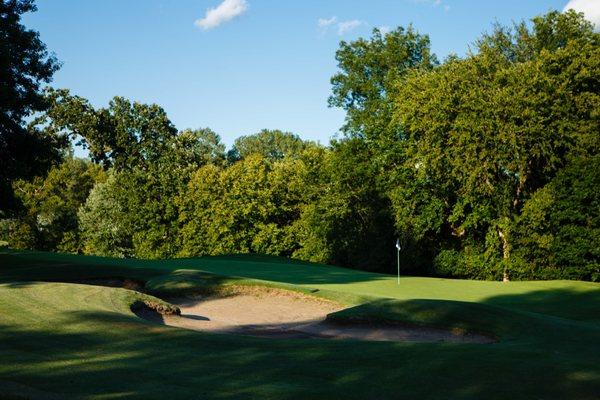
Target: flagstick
[[398, 252]]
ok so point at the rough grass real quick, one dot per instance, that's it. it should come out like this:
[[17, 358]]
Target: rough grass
[[84, 341]]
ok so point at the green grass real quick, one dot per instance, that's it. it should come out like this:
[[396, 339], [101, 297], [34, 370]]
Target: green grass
[[77, 340]]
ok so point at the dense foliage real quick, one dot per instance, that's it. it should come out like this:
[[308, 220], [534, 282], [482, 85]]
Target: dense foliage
[[24, 65], [49, 217], [485, 166], [558, 232], [511, 116]]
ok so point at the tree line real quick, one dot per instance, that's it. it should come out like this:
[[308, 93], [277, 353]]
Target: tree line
[[485, 166]]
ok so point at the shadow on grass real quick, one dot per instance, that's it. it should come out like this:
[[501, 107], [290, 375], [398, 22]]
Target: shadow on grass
[[564, 303], [505, 324]]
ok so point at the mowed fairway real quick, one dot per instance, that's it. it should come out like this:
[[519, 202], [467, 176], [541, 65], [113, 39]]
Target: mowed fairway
[[70, 340]]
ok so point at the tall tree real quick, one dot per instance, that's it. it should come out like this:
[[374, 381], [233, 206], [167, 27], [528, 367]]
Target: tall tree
[[25, 65], [139, 202], [511, 115], [125, 134], [369, 69], [346, 220], [365, 88]]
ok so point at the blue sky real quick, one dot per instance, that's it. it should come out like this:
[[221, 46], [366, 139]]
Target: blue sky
[[248, 65]]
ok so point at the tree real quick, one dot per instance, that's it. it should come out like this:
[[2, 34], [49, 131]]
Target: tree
[[194, 148], [557, 235], [367, 76], [346, 219], [365, 87], [250, 206], [124, 135], [24, 66], [104, 222], [272, 144], [511, 116], [153, 191], [139, 202], [151, 164], [225, 210], [51, 205]]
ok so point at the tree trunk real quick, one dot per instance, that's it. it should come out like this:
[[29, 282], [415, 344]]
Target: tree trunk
[[505, 254]]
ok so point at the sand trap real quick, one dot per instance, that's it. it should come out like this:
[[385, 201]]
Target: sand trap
[[276, 313], [283, 314]]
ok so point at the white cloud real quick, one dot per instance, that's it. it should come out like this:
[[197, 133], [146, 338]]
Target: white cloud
[[589, 8], [226, 11], [434, 3], [342, 27], [325, 22], [384, 29], [346, 26]]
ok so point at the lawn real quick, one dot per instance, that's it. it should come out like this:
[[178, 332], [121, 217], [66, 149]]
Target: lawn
[[70, 340]]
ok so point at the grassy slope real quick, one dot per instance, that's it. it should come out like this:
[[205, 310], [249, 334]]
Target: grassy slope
[[84, 340]]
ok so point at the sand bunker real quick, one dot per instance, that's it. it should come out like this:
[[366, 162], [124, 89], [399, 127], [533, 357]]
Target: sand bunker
[[284, 314]]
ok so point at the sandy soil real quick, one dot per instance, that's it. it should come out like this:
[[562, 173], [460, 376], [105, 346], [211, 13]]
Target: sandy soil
[[280, 315]]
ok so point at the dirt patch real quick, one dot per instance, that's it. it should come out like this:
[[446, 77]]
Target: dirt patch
[[286, 314]]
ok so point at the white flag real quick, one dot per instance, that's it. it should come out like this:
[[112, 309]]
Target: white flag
[[398, 244]]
